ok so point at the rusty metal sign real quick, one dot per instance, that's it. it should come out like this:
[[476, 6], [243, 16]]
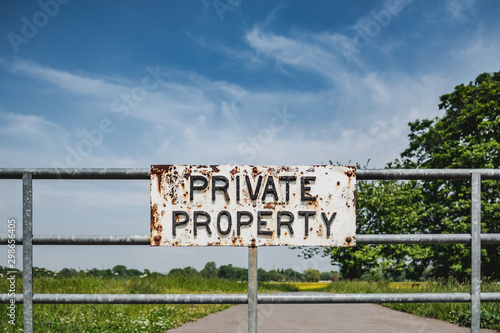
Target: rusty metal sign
[[230, 205]]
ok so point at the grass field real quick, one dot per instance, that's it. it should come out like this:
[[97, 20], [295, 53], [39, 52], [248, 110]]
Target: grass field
[[159, 318], [121, 318]]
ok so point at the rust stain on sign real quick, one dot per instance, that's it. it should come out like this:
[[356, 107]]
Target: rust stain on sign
[[229, 205]]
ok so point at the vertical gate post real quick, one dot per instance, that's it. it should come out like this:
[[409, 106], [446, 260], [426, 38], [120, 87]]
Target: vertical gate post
[[28, 252], [252, 289], [475, 252]]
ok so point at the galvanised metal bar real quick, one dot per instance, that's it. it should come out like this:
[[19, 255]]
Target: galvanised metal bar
[[132, 298], [361, 239], [361, 174], [290, 298], [27, 252], [91, 240], [366, 298], [77, 173], [490, 238], [252, 290], [475, 252], [490, 297], [424, 238], [414, 239], [425, 174]]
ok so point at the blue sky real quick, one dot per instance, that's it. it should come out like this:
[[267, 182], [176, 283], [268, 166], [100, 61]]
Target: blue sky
[[130, 84]]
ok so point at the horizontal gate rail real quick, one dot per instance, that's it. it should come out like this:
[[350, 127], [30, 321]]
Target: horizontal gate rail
[[133, 298], [364, 239], [111, 173], [243, 298], [377, 298], [122, 173], [475, 239]]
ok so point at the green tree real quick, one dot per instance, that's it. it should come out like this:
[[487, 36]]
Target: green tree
[[312, 275], [383, 207], [119, 270], [326, 276], [273, 275], [133, 272], [291, 275], [176, 272], [233, 273], [262, 275], [210, 270], [466, 136], [190, 271], [107, 272]]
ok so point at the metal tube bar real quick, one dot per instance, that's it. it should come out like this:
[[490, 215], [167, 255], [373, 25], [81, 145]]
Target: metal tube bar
[[91, 240], [132, 298], [366, 298], [414, 239], [490, 238], [490, 297], [361, 174], [475, 252], [27, 252], [428, 174], [290, 298], [361, 239], [77, 173], [252, 290]]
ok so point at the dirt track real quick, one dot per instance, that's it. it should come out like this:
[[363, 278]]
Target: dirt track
[[319, 318]]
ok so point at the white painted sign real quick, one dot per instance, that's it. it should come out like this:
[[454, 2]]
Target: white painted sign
[[231, 205]]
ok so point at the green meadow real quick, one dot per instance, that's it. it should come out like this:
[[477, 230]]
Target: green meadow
[[160, 318], [126, 317]]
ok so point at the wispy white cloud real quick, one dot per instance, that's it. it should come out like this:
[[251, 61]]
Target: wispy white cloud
[[480, 53], [330, 52], [192, 119], [456, 8], [71, 82], [28, 140], [29, 127], [296, 52]]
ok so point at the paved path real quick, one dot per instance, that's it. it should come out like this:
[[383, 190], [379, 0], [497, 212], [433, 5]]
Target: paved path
[[319, 318]]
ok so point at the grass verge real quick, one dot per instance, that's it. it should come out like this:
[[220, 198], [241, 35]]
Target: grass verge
[[121, 318]]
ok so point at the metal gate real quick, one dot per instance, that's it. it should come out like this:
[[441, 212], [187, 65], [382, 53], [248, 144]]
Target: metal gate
[[475, 239]]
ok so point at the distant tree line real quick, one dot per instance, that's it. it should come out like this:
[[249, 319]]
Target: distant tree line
[[209, 271], [118, 270], [241, 274]]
